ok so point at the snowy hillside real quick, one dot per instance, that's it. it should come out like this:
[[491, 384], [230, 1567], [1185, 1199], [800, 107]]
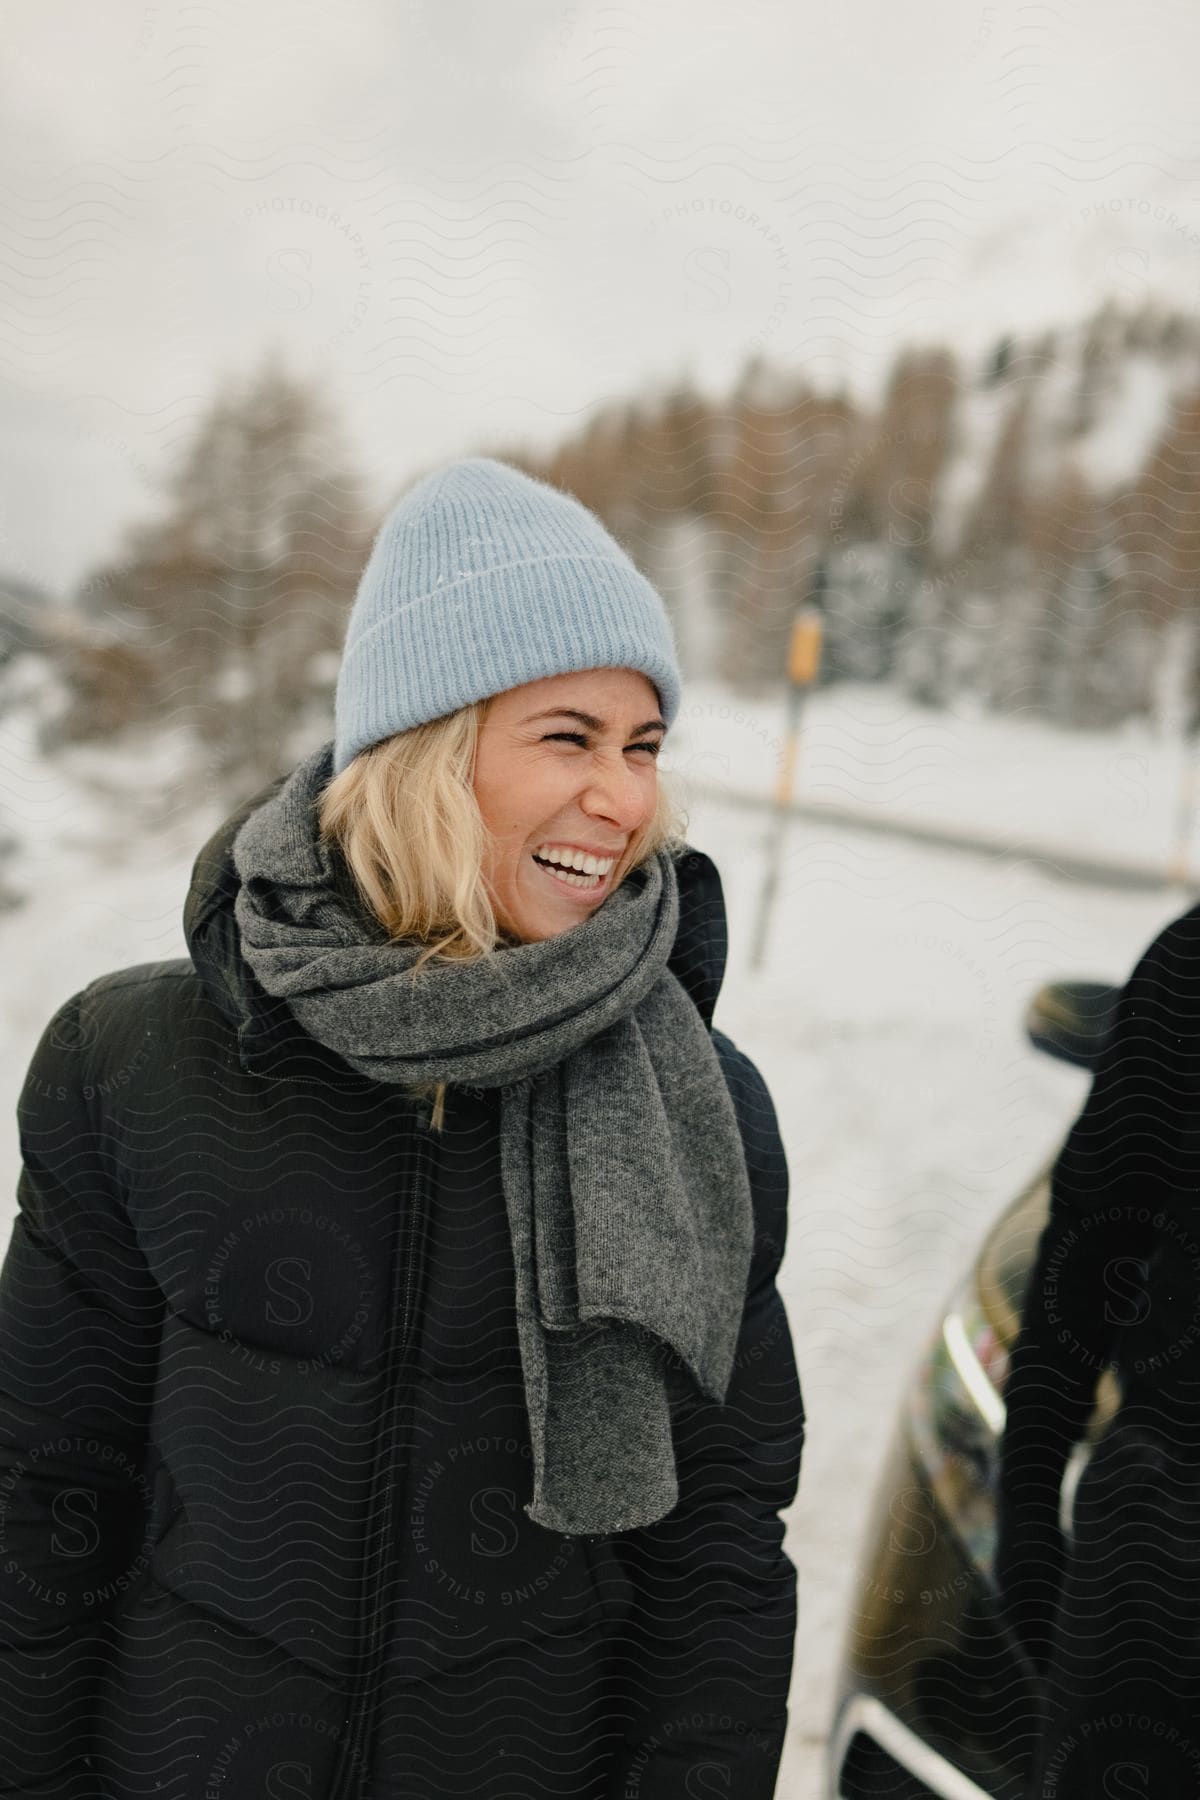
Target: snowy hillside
[[1100, 402]]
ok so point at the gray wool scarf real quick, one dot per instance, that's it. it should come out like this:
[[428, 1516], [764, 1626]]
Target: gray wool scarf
[[622, 1163]]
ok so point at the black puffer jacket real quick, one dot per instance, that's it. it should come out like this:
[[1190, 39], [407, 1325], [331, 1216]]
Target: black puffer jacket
[[263, 1451], [1110, 1614]]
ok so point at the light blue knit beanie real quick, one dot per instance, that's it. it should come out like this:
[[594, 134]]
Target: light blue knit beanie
[[482, 578]]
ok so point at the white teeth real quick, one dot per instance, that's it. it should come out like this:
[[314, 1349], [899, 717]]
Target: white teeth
[[576, 859], [580, 881], [572, 878]]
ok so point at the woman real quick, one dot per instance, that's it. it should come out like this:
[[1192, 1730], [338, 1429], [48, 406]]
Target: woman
[[398, 1399], [1111, 1620]]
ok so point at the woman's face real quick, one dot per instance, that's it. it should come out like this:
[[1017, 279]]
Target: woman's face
[[547, 780]]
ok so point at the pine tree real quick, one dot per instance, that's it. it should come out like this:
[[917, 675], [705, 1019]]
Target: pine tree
[[1156, 527], [1106, 339], [1085, 679]]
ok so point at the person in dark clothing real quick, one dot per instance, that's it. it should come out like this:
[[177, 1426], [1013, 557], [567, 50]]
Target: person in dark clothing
[[1111, 1617], [396, 1397]]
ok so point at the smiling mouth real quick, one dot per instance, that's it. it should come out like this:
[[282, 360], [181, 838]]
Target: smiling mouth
[[571, 881]]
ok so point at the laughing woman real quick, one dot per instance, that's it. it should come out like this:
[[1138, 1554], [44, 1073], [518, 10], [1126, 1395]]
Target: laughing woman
[[396, 1395]]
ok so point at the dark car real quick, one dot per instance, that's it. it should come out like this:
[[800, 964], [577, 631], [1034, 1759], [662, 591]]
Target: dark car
[[936, 1697]]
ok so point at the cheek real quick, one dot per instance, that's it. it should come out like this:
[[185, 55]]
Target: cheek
[[516, 801]]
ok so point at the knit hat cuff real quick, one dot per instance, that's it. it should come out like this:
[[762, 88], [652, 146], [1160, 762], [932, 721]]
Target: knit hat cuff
[[484, 624]]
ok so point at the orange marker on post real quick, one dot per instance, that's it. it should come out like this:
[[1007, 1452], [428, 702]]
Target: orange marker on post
[[804, 650]]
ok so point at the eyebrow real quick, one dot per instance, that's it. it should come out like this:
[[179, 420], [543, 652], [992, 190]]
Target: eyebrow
[[593, 723]]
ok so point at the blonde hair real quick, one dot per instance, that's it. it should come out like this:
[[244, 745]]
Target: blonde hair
[[404, 818]]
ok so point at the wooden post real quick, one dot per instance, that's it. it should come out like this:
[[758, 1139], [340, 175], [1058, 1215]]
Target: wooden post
[[803, 667], [1177, 868]]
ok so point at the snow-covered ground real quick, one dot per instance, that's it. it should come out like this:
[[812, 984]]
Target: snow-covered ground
[[885, 1018]]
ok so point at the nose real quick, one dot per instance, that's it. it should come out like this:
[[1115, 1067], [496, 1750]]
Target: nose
[[614, 791]]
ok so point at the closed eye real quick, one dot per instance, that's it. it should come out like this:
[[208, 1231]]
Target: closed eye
[[577, 737]]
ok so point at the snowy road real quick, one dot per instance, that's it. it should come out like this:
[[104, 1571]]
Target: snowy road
[[886, 1021]]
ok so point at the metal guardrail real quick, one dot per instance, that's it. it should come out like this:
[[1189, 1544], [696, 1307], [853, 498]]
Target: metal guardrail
[[1099, 872]]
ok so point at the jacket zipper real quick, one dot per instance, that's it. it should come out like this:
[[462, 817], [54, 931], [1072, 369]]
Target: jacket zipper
[[352, 1772]]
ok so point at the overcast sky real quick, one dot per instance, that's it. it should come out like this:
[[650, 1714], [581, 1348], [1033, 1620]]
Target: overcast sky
[[479, 221]]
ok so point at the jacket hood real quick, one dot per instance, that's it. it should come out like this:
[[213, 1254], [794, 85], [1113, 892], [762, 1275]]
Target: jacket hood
[[266, 1027]]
